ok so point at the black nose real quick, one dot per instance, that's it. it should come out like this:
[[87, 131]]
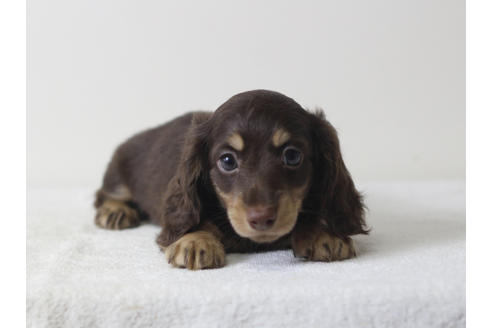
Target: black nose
[[261, 217]]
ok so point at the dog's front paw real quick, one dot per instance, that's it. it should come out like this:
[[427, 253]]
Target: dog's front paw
[[195, 251], [321, 246]]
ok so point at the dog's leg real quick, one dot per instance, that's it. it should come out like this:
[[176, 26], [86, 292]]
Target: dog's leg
[[312, 242], [200, 249], [113, 210]]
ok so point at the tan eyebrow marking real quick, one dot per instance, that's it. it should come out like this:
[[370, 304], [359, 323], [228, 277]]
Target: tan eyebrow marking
[[236, 141], [280, 137]]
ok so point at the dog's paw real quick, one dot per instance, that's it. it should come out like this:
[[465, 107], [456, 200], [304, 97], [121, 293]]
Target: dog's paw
[[195, 251], [322, 246], [116, 215]]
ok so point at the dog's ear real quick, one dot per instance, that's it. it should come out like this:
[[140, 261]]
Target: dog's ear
[[182, 200], [333, 195]]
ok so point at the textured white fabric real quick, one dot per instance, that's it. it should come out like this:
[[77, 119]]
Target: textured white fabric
[[410, 271]]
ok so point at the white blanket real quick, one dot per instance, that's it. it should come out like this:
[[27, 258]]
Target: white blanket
[[410, 271]]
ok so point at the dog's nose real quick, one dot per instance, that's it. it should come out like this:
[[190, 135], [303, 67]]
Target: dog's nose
[[261, 217]]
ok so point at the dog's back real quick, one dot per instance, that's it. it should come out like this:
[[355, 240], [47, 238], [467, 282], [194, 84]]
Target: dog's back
[[151, 155]]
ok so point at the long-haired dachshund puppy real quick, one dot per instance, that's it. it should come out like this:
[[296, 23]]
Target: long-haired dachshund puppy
[[260, 173]]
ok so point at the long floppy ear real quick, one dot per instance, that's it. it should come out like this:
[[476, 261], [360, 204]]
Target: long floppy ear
[[333, 194], [182, 200]]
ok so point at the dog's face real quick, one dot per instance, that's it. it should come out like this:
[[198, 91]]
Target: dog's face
[[260, 162]]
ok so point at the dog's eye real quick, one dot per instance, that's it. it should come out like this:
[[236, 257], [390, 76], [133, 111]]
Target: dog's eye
[[292, 157], [227, 162]]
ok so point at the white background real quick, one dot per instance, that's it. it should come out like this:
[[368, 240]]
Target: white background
[[389, 74]]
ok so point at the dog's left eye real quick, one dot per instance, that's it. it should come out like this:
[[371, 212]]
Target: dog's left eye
[[292, 157], [227, 162]]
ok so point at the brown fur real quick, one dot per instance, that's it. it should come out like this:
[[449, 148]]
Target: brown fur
[[171, 175]]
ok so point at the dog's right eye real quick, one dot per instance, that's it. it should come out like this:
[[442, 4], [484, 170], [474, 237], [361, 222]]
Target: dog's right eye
[[292, 157], [227, 162]]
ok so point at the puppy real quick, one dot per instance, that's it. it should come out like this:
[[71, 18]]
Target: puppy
[[260, 173]]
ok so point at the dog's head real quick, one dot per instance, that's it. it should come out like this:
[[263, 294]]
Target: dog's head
[[261, 162], [268, 160]]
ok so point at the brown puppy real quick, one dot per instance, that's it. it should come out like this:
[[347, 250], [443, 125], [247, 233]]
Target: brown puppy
[[259, 173]]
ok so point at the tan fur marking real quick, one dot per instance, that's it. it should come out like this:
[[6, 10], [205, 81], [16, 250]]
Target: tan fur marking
[[236, 141], [288, 209], [121, 192], [280, 137], [195, 251], [115, 215]]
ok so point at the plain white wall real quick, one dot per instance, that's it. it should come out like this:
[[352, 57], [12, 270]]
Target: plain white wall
[[389, 74]]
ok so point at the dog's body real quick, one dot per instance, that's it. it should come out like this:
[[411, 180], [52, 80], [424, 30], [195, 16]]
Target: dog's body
[[259, 173]]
